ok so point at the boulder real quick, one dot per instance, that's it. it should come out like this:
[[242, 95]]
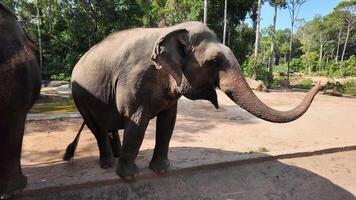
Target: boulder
[[56, 83], [256, 85], [284, 83], [333, 92]]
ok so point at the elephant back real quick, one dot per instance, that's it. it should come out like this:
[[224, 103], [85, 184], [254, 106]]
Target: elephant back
[[5, 8]]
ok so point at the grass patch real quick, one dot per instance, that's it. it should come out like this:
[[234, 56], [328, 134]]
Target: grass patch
[[303, 84], [262, 149], [53, 106]]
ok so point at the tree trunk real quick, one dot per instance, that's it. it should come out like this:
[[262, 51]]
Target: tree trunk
[[321, 50], [39, 32], [338, 46], [205, 11], [257, 40], [290, 50], [346, 41], [225, 22], [271, 58]]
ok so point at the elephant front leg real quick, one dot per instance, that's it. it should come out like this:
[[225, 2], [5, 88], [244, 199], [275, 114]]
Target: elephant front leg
[[133, 136], [164, 129], [11, 135]]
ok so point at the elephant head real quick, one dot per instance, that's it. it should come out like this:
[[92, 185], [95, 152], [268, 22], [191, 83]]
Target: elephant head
[[199, 64]]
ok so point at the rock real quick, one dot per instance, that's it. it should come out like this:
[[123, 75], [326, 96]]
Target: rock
[[256, 85], [56, 83], [284, 83], [332, 93], [64, 87]]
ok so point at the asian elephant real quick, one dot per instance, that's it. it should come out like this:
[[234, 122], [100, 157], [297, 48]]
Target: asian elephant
[[135, 75], [20, 84]]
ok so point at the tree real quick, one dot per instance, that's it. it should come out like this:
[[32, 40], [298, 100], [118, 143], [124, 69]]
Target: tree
[[39, 32], [225, 22], [349, 7], [275, 4], [205, 12], [257, 39], [293, 9]]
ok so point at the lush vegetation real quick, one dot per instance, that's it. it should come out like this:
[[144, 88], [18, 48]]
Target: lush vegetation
[[324, 46], [68, 28]]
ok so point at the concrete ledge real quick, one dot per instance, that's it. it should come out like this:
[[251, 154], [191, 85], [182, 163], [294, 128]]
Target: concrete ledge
[[146, 175]]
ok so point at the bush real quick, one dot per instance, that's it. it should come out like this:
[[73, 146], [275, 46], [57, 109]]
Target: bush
[[262, 71], [60, 77], [350, 87], [304, 84]]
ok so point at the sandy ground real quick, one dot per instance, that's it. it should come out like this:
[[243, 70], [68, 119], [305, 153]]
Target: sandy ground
[[202, 135], [330, 121]]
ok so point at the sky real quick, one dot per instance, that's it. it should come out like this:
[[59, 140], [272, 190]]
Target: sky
[[308, 11]]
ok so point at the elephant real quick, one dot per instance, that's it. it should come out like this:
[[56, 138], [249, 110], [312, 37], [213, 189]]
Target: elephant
[[135, 75], [20, 86]]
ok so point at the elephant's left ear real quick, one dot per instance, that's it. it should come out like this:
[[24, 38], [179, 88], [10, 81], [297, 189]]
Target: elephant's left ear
[[170, 51]]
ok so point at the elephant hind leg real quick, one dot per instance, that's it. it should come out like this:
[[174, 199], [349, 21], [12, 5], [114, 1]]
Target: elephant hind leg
[[11, 135], [102, 139], [115, 143]]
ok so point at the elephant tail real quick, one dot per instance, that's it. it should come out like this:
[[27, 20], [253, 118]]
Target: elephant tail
[[69, 154]]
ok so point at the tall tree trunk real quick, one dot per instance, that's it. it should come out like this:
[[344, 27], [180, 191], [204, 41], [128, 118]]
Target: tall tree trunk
[[346, 41], [205, 11], [338, 46], [271, 58], [290, 50], [321, 49], [257, 40], [225, 22], [39, 32]]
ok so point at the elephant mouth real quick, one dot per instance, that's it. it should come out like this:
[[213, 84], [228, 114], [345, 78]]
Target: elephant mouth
[[204, 94]]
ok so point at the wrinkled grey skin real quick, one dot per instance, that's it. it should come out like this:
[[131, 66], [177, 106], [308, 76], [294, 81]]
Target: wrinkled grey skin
[[135, 75], [20, 84]]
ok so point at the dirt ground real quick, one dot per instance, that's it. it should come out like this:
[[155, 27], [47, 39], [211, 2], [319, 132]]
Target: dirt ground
[[330, 121], [202, 135]]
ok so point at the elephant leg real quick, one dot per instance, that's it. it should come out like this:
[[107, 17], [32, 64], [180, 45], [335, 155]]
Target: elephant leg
[[102, 139], [11, 135], [164, 129], [133, 137], [115, 143]]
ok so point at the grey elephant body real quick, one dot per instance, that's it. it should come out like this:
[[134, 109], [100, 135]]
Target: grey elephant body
[[112, 82], [20, 86], [135, 75]]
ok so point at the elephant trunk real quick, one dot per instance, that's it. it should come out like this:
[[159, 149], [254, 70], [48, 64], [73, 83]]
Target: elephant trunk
[[235, 86]]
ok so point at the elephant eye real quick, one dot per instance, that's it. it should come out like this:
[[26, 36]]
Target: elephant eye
[[212, 62]]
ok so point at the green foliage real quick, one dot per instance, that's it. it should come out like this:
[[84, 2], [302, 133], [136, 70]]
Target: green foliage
[[304, 84], [350, 87], [53, 105], [262, 149], [70, 27], [241, 42], [261, 70]]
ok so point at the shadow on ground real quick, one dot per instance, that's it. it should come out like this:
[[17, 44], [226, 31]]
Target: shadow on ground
[[270, 180]]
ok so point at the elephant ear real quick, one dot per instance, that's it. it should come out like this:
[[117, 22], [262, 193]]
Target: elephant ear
[[169, 53]]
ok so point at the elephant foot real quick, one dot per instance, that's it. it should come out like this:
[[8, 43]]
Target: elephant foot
[[127, 171], [13, 188], [106, 162], [159, 166]]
